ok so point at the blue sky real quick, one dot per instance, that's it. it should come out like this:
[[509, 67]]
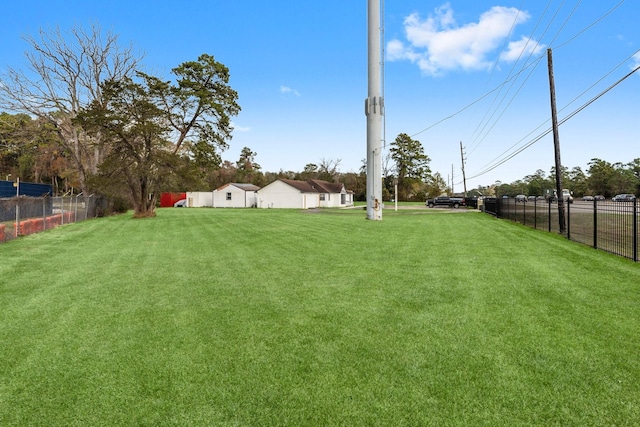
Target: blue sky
[[471, 71]]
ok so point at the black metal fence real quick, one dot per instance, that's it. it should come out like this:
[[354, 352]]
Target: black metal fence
[[607, 225], [22, 215]]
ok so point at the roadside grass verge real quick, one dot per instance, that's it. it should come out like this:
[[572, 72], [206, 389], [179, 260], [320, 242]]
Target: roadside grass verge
[[274, 317]]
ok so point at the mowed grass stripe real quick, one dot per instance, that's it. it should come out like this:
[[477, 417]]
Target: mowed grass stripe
[[267, 317]]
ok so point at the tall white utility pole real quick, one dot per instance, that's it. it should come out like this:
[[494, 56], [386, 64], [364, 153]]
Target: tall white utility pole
[[374, 109]]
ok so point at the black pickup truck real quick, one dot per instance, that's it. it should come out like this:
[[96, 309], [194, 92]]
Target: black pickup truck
[[452, 202]]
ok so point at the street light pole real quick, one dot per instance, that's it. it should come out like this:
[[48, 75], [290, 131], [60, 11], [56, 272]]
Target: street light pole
[[395, 189]]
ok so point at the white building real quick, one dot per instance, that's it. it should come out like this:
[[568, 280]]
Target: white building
[[314, 193], [234, 195], [198, 199]]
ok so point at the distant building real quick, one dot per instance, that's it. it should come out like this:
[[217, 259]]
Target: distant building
[[313, 193], [235, 195]]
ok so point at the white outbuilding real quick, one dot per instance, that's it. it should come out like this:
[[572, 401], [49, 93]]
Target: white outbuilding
[[235, 195], [198, 199], [313, 193]]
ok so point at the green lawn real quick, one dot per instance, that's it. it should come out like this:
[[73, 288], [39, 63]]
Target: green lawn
[[254, 317]]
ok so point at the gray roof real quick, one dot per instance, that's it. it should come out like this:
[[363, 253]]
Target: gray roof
[[245, 187], [315, 186]]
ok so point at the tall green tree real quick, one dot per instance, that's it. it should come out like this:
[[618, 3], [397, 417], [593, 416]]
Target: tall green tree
[[624, 180], [310, 171], [601, 176], [150, 123], [436, 186], [634, 168], [248, 170], [537, 183], [577, 182], [412, 164]]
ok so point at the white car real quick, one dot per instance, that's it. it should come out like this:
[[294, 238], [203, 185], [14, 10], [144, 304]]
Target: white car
[[180, 203]]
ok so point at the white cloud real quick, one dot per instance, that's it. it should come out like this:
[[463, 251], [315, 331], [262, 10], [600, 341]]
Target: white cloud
[[521, 48], [437, 44], [287, 89], [238, 128]]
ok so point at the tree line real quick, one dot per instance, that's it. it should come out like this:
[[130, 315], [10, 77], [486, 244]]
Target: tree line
[[600, 178], [34, 150], [87, 119]]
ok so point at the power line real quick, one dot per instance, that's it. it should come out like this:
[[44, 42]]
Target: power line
[[472, 103], [565, 107], [597, 21], [477, 142], [539, 137], [511, 78]]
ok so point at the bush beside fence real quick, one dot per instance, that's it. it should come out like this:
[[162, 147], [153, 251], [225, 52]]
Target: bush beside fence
[[21, 216], [607, 225]]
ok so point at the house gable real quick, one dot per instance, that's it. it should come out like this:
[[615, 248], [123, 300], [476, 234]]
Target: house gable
[[235, 195]]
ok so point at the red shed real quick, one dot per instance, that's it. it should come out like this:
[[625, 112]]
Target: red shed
[[168, 199]]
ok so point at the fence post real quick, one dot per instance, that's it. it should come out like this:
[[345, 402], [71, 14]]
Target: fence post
[[44, 214], [549, 213], [595, 223], [75, 215], [17, 230], [568, 220], [635, 229]]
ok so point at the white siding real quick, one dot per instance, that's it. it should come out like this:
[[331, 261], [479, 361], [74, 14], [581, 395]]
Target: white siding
[[334, 200], [198, 199], [239, 197], [283, 196]]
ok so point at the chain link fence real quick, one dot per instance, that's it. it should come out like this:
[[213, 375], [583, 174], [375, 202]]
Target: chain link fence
[[22, 215]]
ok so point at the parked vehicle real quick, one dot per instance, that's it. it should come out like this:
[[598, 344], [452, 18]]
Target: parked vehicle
[[452, 202], [624, 198], [587, 198], [598, 197], [521, 198], [180, 203], [567, 195], [531, 198], [552, 195]]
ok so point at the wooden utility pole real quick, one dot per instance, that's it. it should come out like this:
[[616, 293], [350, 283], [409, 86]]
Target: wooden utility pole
[[556, 145], [464, 178]]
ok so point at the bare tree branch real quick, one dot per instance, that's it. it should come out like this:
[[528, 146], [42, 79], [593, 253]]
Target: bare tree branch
[[65, 73]]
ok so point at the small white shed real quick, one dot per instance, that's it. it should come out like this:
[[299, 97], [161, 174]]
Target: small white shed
[[235, 195]]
